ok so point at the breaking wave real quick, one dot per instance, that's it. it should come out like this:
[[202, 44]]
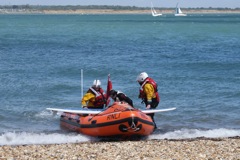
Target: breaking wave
[[25, 138]]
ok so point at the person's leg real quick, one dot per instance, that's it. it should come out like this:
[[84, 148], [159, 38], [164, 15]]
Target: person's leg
[[154, 106], [152, 116]]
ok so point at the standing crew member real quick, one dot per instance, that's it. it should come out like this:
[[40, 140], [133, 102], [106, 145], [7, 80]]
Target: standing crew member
[[148, 92], [120, 96], [95, 96]]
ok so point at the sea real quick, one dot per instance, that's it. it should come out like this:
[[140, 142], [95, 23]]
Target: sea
[[49, 61]]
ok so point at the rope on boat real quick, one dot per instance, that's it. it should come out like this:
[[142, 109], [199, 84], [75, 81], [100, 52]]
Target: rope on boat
[[133, 126]]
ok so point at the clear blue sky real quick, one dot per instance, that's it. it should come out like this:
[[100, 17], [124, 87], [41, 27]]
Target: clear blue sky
[[138, 3]]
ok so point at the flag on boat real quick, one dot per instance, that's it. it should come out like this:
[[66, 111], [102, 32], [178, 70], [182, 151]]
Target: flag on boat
[[109, 88]]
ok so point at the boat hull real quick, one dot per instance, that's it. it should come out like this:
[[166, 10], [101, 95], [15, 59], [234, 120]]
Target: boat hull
[[120, 119], [180, 14]]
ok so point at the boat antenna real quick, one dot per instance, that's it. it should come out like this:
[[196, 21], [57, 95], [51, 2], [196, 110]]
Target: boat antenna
[[81, 83]]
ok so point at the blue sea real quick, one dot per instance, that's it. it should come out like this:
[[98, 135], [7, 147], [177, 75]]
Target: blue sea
[[195, 60]]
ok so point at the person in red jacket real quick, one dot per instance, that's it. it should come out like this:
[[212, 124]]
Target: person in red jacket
[[148, 92], [95, 96]]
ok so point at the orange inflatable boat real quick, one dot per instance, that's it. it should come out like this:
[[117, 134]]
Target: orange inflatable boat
[[119, 119]]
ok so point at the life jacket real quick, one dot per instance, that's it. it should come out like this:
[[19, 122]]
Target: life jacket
[[154, 84], [100, 98]]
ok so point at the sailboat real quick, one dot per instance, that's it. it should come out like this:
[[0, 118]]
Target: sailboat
[[178, 12], [154, 13]]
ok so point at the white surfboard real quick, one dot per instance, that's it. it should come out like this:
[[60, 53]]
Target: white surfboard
[[157, 110], [77, 111], [96, 111]]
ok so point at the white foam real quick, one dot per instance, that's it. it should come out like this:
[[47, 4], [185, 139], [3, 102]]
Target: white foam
[[12, 138], [194, 133], [47, 114]]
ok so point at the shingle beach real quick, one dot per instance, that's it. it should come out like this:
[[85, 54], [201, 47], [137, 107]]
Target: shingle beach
[[189, 149]]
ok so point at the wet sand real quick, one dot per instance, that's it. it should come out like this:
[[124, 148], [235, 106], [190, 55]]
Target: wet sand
[[190, 149]]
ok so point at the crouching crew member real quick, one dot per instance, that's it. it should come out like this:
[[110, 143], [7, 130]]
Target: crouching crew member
[[120, 96]]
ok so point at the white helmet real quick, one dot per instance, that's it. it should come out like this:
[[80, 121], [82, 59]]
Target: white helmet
[[96, 83], [142, 76]]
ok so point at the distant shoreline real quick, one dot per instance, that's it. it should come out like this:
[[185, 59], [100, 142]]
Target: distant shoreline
[[112, 11]]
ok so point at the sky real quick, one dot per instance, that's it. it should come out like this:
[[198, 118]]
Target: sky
[[137, 3]]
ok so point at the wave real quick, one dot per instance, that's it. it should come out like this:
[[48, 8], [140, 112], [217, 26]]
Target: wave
[[25, 138], [196, 133]]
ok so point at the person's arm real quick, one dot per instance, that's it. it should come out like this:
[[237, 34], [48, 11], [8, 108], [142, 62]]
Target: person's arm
[[86, 98], [129, 101]]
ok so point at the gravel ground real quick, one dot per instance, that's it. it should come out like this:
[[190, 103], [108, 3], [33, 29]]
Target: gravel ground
[[187, 149]]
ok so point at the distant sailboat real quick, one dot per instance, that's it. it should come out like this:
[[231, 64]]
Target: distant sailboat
[[178, 11], [154, 13]]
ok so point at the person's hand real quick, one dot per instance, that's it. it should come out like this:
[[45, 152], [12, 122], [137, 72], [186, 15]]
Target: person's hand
[[148, 106]]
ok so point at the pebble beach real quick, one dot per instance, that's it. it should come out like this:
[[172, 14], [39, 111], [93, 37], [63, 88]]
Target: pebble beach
[[194, 149]]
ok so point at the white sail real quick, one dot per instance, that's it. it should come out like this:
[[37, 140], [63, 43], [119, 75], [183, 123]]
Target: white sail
[[154, 12], [178, 11]]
